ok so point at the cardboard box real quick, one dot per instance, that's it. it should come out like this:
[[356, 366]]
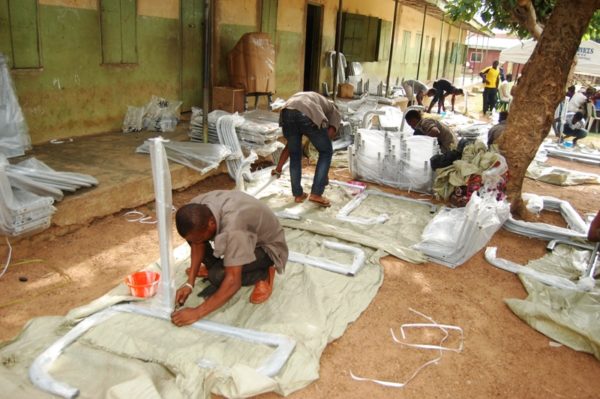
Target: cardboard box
[[345, 90], [251, 64], [228, 99]]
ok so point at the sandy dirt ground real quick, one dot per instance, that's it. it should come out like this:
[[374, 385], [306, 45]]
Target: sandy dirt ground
[[502, 357]]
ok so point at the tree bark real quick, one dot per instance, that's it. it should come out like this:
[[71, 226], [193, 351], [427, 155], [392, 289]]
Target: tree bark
[[540, 89]]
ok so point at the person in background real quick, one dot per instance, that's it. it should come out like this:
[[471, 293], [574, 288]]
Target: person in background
[[491, 79], [504, 93], [312, 115], [414, 89], [574, 127], [570, 92], [497, 130], [433, 128], [441, 89], [248, 245], [580, 99]]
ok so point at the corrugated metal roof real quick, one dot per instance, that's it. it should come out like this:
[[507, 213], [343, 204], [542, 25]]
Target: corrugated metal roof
[[436, 9]]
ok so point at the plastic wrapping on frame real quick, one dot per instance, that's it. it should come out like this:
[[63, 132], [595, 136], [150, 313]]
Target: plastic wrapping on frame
[[251, 63], [35, 176], [577, 227], [40, 377], [21, 211], [332, 266], [198, 156], [164, 210], [393, 159], [14, 134], [454, 235]]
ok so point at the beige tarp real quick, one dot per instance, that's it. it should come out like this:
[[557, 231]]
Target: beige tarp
[[566, 316], [560, 176], [132, 356], [395, 236]]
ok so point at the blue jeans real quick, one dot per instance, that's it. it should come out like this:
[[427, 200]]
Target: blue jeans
[[577, 133], [294, 125], [490, 95]]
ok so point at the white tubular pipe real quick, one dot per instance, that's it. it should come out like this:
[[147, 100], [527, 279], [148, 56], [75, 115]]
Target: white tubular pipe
[[164, 210], [548, 279], [38, 371], [332, 266], [283, 345], [343, 214]]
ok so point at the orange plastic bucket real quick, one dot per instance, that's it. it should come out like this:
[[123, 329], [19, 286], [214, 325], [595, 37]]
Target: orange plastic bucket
[[143, 284]]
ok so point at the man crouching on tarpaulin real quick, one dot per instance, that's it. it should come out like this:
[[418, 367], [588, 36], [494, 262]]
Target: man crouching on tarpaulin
[[249, 244]]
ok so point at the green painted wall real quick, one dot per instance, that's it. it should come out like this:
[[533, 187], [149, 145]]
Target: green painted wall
[[73, 94], [289, 63]]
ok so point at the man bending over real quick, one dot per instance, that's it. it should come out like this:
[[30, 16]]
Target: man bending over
[[248, 245]]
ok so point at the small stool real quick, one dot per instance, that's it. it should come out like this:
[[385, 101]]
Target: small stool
[[256, 96]]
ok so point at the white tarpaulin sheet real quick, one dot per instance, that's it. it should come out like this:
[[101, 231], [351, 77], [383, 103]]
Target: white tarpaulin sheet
[[131, 356], [588, 56]]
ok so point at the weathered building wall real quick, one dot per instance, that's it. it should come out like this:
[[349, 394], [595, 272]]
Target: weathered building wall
[[72, 92], [68, 89]]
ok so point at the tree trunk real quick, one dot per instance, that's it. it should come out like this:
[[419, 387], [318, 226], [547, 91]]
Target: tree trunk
[[540, 89]]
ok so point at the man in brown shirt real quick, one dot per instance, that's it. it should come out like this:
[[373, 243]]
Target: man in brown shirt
[[249, 244], [432, 128], [310, 114], [445, 138]]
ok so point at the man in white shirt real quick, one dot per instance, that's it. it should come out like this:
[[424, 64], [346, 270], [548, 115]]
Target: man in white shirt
[[575, 126], [504, 93], [579, 99]]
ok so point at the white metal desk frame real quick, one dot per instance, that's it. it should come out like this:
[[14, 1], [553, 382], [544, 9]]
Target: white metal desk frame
[[38, 371]]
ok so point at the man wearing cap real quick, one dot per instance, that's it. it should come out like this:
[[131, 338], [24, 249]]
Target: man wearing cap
[[248, 245]]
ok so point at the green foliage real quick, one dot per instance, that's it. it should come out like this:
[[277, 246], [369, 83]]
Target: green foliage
[[497, 14]]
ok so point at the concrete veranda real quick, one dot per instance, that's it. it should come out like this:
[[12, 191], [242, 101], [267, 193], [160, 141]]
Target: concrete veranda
[[125, 177]]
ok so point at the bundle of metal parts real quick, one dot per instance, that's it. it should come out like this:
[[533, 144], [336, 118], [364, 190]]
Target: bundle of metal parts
[[238, 166], [29, 189], [162, 305], [201, 157], [393, 159], [35, 176], [557, 151], [454, 235], [477, 131], [257, 130], [577, 227], [586, 281], [21, 211]]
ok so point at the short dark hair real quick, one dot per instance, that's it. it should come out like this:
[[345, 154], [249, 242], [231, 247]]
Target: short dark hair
[[459, 92], [578, 115], [431, 92], [412, 114], [192, 217], [509, 77], [502, 116]]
